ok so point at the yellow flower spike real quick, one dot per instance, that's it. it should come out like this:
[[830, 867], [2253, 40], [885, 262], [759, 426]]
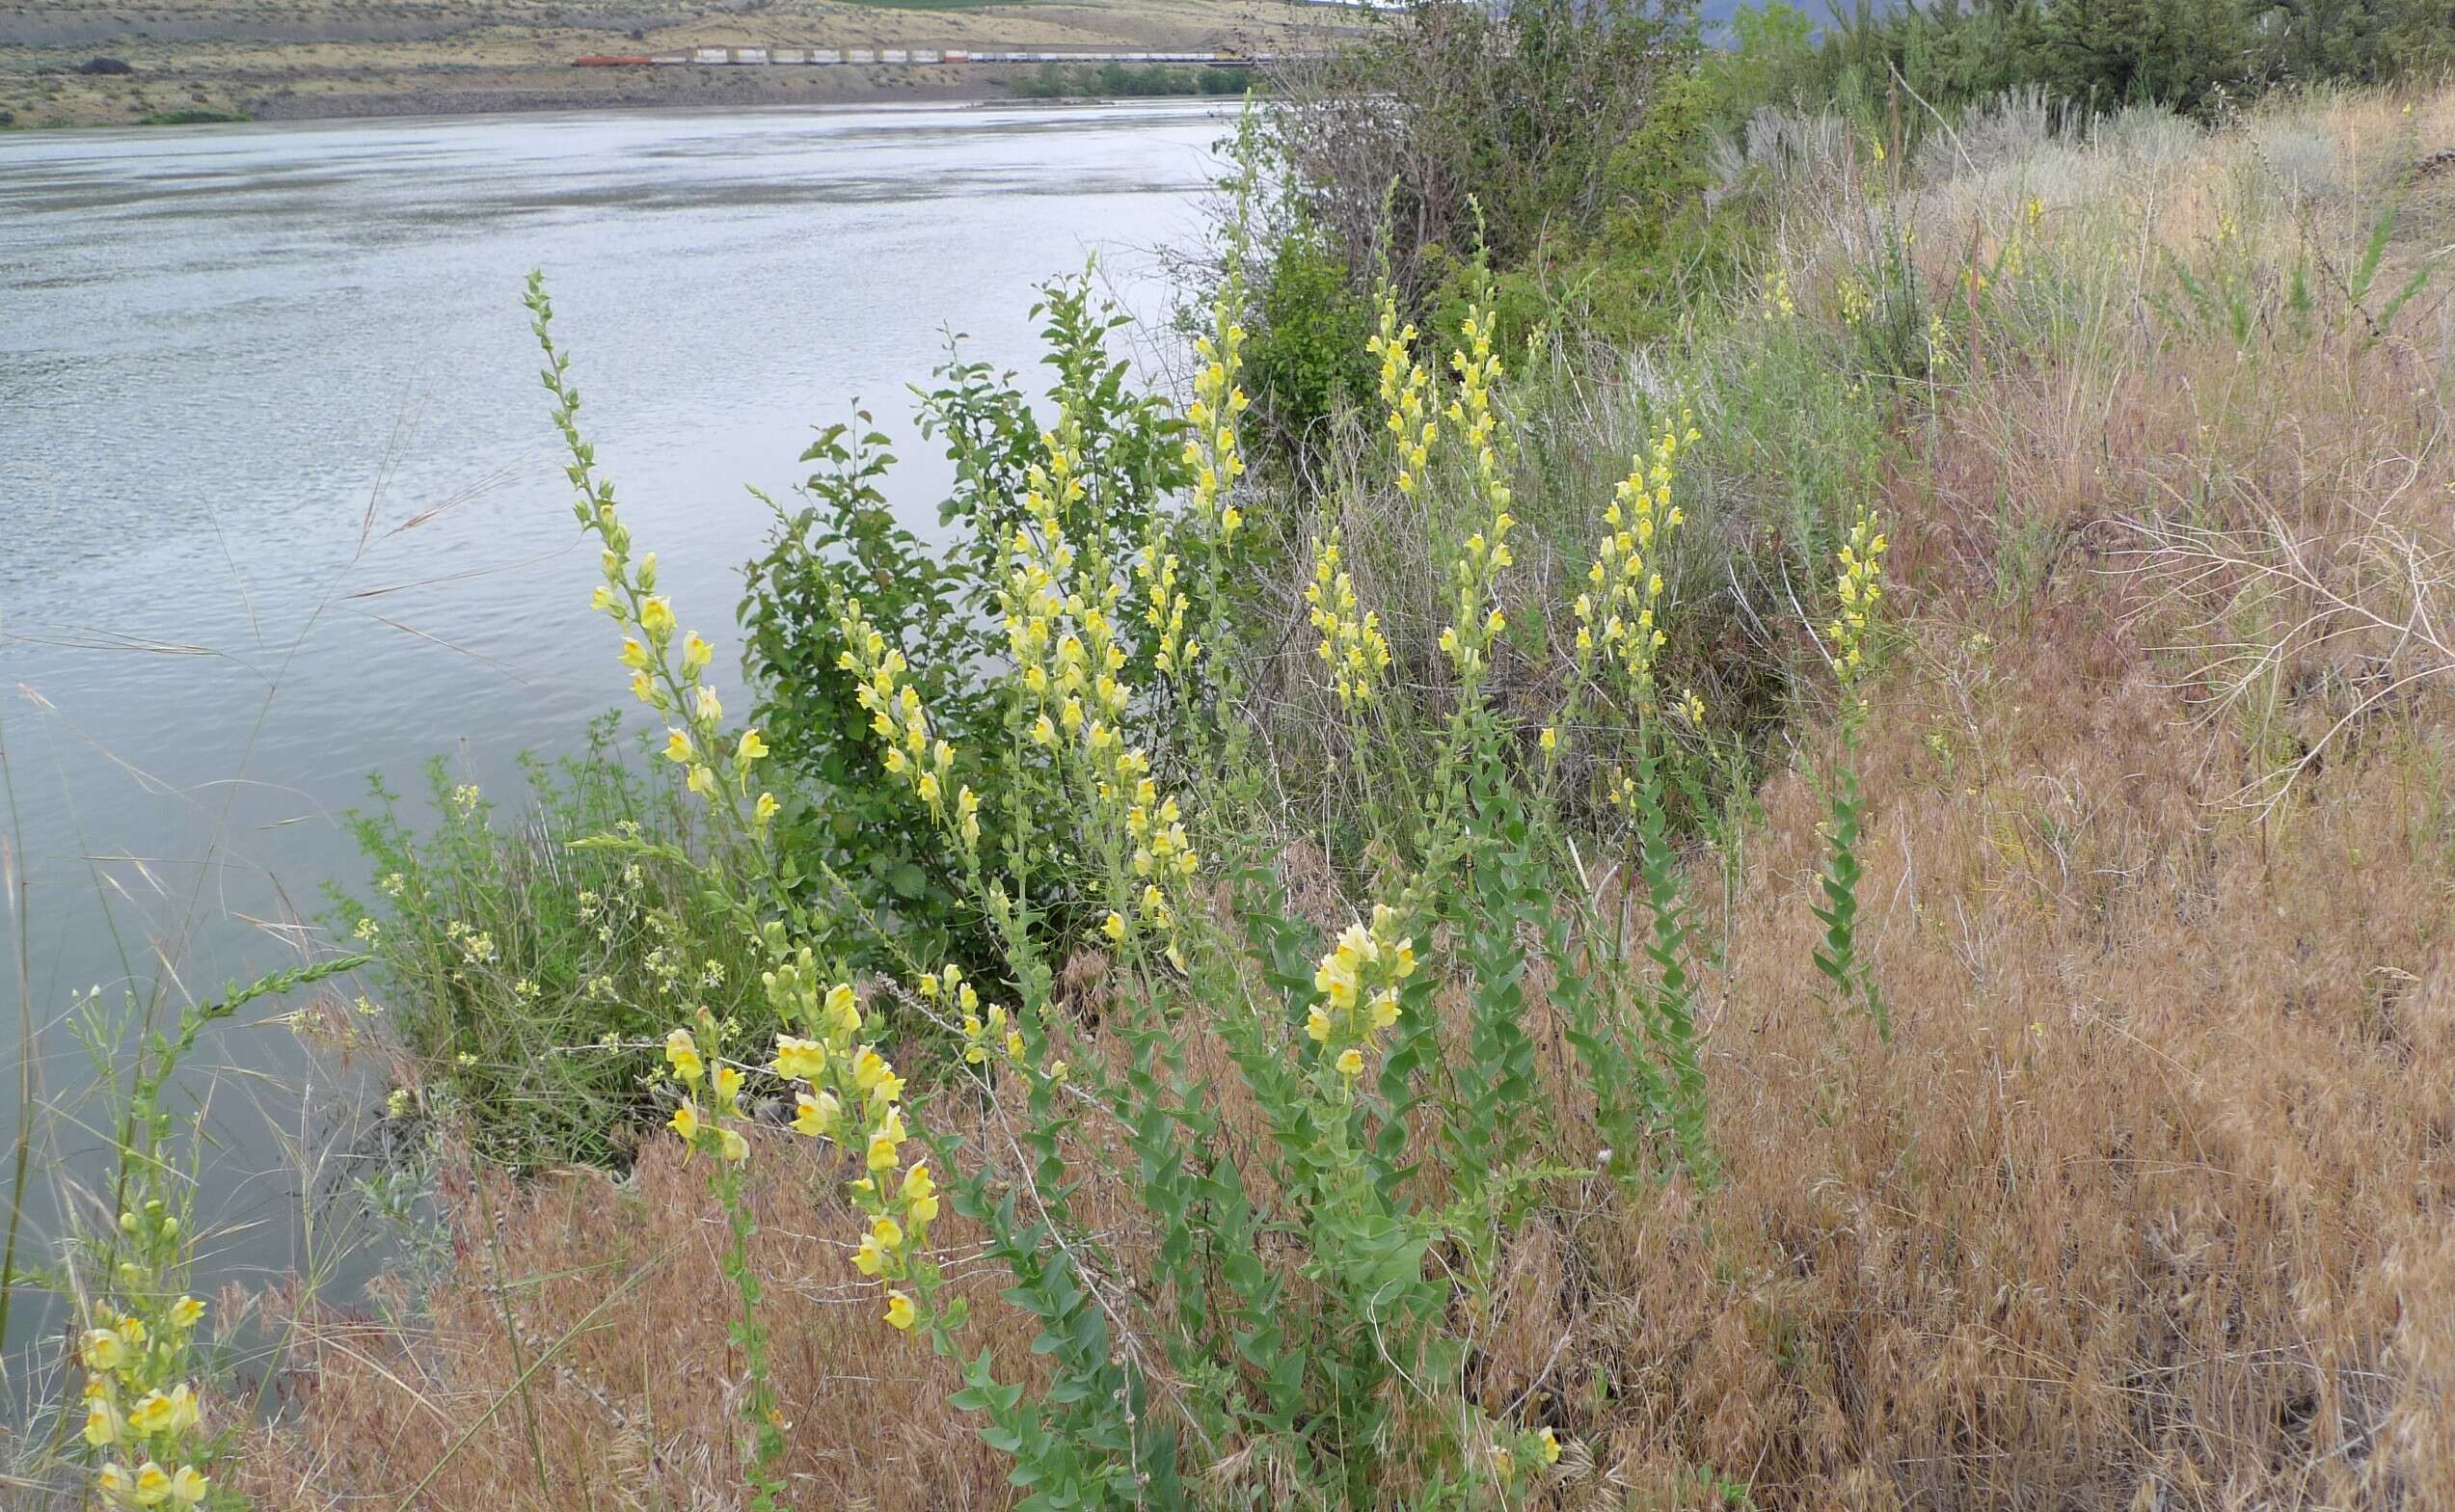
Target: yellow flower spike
[[898, 1311]]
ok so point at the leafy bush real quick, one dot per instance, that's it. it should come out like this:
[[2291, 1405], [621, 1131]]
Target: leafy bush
[[1308, 357], [1458, 125], [853, 835]]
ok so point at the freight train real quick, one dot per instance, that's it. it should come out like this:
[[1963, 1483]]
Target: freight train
[[895, 56]]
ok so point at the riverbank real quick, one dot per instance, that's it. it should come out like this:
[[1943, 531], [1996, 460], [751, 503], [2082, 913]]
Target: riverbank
[[398, 58]]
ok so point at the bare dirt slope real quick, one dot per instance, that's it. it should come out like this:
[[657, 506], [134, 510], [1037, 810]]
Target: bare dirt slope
[[289, 59]]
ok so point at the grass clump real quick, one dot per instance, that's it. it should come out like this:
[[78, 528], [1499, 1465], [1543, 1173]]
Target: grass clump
[[520, 969]]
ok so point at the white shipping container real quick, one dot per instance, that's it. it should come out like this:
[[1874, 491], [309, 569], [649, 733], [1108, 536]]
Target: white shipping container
[[953, 55], [750, 55], [787, 55], [894, 55], [859, 55], [670, 58], [825, 55], [710, 55], [924, 55]]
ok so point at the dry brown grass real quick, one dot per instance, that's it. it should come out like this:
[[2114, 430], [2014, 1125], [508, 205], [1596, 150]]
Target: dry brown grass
[[2151, 1202]]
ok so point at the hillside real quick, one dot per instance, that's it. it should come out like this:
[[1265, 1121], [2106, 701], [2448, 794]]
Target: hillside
[[327, 58]]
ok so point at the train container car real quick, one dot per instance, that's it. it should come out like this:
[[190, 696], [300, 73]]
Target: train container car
[[750, 55], [922, 55], [860, 55], [787, 55], [604, 60], [667, 60], [956, 55], [710, 55], [827, 55], [894, 55]]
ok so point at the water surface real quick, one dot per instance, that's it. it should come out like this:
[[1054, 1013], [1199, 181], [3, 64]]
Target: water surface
[[280, 504]]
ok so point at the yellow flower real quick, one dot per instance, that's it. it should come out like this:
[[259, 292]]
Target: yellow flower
[[102, 1424], [814, 1115], [677, 747], [152, 1414], [643, 688], [189, 1485], [882, 1153], [701, 781], [656, 617], [1114, 927], [899, 1310], [869, 1069], [1385, 1008], [1351, 1063], [752, 747], [102, 1350], [684, 1055], [736, 1147], [888, 1232], [695, 652], [152, 1484], [765, 809], [728, 1083], [686, 1121], [711, 707], [1550, 1448], [920, 1191], [634, 656], [1317, 1024], [132, 1327], [115, 1483], [185, 1414], [1549, 740], [870, 1257]]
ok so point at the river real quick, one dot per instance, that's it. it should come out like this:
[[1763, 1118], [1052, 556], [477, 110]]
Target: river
[[280, 507]]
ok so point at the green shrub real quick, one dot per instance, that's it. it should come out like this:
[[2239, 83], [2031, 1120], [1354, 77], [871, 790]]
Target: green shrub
[[1308, 359], [853, 837]]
